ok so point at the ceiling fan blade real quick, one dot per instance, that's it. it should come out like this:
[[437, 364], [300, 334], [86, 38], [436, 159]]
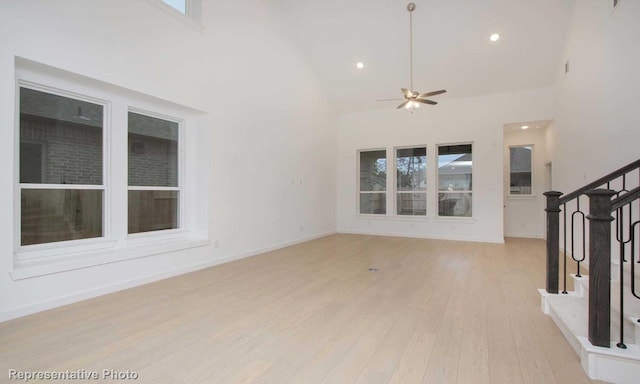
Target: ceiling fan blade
[[389, 99], [402, 105], [425, 101], [407, 93], [432, 93]]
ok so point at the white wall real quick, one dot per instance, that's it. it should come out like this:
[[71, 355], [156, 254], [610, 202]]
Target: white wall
[[524, 215], [266, 146], [597, 127], [479, 120]]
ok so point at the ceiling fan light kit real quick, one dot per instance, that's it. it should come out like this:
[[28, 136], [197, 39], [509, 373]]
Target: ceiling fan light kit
[[413, 99]]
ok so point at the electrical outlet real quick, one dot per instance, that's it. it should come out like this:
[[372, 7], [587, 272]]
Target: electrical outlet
[[216, 244], [301, 228]]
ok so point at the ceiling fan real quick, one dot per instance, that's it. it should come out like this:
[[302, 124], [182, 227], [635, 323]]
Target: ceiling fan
[[412, 99]]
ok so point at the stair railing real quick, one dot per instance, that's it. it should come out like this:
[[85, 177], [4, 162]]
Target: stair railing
[[577, 223], [626, 241]]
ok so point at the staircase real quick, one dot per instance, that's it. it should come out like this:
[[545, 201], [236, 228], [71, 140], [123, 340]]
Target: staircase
[[599, 226]]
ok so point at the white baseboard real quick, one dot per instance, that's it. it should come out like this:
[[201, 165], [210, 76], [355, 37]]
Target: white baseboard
[[95, 292], [425, 236], [525, 235], [619, 366]]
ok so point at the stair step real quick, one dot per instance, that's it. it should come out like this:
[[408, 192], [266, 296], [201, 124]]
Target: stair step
[[632, 308], [570, 313], [580, 284], [615, 273], [631, 303], [636, 326]]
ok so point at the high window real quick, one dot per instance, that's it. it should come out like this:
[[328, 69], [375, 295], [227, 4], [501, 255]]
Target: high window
[[455, 167], [372, 168], [61, 178], [178, 5], [520, 170], [411, 181], [189, 11], [153, 165]]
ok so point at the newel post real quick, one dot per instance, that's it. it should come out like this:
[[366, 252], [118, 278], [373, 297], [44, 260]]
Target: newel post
[[553, 239], [600, 266]]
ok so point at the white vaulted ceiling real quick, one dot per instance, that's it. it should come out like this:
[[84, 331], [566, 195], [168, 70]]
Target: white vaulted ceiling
[[451, 46]]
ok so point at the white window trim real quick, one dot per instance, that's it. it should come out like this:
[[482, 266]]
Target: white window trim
[[523, 196], [437, 187], [192, 17], [109, 253], [181, 178], [395, 182], [115, 246], [27, 252], [359, 192]]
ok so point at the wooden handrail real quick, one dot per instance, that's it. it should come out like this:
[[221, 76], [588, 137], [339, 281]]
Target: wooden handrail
[[625, 199], [601, 181]]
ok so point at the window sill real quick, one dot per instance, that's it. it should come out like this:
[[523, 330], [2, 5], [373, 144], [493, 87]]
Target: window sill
[[522, 197], [374, 216], [453, 219], [411, 217], [443, 219], [24, 269]]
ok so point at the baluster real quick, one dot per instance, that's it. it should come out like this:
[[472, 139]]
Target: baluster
[[620, 217], [564, 245], [584, 239], [632, 235]]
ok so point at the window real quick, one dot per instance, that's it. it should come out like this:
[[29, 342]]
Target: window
[[178, 5], [411, 181], [454, 180], [189, 11], [520, 170], [373, 182], [100, 173], [153, 198], [61, 179]]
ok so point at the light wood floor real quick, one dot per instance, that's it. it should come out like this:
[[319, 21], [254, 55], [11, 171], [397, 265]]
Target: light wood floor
[[434, 312]]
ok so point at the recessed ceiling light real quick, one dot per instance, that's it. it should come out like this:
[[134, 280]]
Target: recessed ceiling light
[[525, 127], [494, 37], [360, 65]]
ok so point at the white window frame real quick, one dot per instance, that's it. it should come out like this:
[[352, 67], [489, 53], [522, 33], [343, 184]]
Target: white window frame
[[192, 15], [437, 186], [34, 251], [359, 192], [186, 6], [509, 194], [395, 181], [181, 132], [115, 245]]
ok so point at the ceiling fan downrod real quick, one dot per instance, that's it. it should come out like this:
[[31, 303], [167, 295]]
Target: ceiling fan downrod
[[413, 99], [411, 7]]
